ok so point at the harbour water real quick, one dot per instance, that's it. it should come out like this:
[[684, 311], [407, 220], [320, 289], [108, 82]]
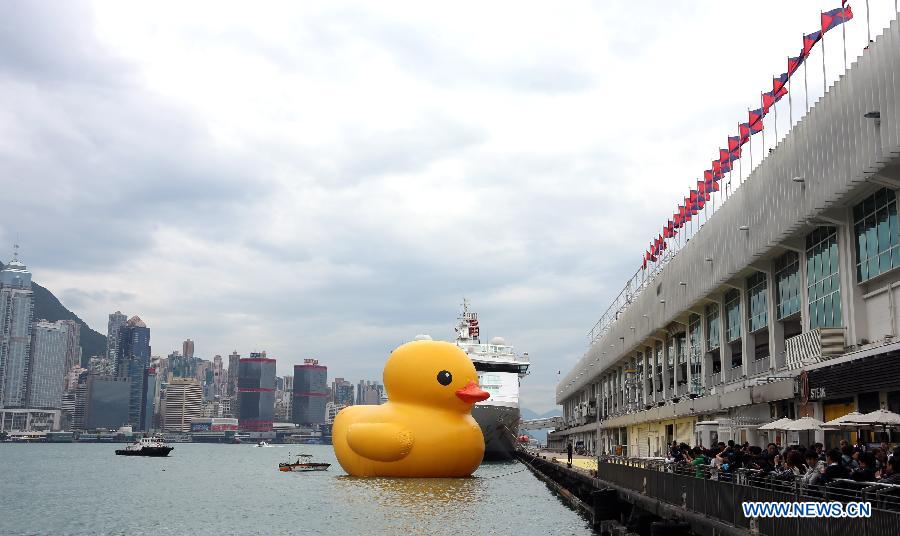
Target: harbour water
[[206, 489]]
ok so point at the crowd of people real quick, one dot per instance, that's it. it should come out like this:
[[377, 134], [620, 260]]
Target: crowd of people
[[814, 466]]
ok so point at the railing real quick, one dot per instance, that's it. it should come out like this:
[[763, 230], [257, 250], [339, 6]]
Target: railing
[[736, 373], [716, 378], [718, 494], [759, 366]]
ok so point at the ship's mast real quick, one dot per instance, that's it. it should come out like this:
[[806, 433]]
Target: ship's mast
[[467, 328]]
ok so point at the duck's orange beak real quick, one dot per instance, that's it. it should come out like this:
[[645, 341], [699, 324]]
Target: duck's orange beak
[[471, 393]]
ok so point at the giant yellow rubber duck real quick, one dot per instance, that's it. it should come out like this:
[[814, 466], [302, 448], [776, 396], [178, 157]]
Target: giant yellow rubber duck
[[426, 428]]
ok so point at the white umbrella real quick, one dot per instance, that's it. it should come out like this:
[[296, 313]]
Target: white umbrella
[[776, 425], [879, 417], [804, 424], [845, 421]]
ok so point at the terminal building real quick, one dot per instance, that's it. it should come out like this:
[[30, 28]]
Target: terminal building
[[785, 303]]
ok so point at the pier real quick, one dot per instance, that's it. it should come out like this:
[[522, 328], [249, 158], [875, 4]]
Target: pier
[[641, 496]]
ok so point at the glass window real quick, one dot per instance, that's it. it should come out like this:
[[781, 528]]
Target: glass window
[[823, 278], [875, 224], [712, 327], [732, 315], [756, 296], [694, 358], [787, 285]]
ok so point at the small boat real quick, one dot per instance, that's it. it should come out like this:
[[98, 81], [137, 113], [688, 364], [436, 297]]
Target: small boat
[[146, 446], [262, 444], [303, 466]]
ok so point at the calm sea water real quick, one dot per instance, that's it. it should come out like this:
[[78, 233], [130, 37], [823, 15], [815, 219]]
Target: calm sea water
[[205, 489]]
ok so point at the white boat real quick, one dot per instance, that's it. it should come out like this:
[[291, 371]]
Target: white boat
[[500, 372], [262, 444], [304, 464]]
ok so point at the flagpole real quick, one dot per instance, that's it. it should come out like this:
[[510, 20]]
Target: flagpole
[[844, 32], [824, 77], [775, 111], [762, 125], [750, 139], [790, 103], [740, 168], [868, 27], [806, 83]]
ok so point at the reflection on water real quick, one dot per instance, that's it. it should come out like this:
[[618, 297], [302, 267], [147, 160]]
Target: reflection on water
[[417, 505], [236, 489]]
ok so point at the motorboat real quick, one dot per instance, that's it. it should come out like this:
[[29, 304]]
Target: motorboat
[[303, 464], [147, 446]]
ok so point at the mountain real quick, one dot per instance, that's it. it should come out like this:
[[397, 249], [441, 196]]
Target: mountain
[[528, 414], [48, 307]]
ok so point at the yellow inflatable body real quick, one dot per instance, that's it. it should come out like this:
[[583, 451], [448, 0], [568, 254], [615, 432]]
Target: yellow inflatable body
[[426, 428]]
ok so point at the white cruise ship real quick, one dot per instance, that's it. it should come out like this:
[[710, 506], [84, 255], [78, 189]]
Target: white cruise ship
[[500, 372]]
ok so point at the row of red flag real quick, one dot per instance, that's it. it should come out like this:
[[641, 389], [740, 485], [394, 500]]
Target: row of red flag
[[702, 193]]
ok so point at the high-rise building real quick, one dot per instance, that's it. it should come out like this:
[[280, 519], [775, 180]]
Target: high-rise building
[[256, 391], [233, 360], [16, 306], [134, 341], [47, 365], [187, 348], [132, 361], [342, 392], [105, 402], [310, 393], [116, 321], [183, 402], [73, 343], [369, 393]]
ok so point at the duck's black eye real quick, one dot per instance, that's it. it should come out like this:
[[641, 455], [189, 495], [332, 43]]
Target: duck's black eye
[[444, 377]]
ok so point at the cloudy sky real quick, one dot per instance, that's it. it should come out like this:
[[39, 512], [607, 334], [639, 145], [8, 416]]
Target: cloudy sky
[[328, 179]]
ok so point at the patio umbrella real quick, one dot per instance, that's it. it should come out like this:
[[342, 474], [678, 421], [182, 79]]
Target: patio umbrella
[[803, 424], [776, 425], [845, 421], [879, 417]]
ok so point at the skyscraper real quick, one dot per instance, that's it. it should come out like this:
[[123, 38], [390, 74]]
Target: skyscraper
[[105, 402], [256, 391], [132, 361], [233, 360], [47, 365], [341, 392], [310, 393], [16, 306], [116, 321], [187, 348], [183, 402], [73, 343], [369, 393]]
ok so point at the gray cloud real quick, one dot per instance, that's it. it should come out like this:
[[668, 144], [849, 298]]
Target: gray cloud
[[330, 180]]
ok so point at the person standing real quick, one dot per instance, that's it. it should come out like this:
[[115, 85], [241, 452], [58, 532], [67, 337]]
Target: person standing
[[569, 451]]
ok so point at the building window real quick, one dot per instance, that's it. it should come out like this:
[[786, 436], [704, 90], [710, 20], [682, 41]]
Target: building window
[[758, 304], [787, 285], [823, 278], [732, 315], [712, 327], [875, 223], [695, 351]]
